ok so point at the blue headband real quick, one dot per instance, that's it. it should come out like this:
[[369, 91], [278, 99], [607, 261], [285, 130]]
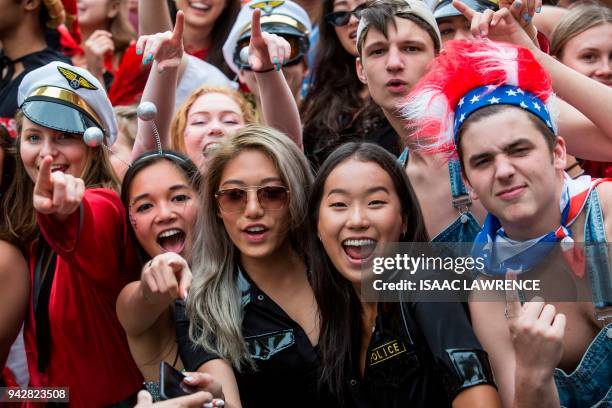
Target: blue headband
[[484, 96]]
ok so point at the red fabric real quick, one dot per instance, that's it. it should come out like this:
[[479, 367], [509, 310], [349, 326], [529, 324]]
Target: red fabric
[[543, 42], [8, 378], [130, 79], [89, 350], [72, 20], [10, 124], [70, 46], [201, 54], [598, 169]]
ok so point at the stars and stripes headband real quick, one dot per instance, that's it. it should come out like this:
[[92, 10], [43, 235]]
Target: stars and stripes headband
[[489, 95], [468, 76]]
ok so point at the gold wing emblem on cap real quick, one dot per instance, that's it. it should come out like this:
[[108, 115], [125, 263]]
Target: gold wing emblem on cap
[[267, 6], [75, 80]]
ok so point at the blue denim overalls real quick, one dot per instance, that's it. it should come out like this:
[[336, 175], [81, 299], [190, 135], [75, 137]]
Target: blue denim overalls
[[590, 385], [465, 227]]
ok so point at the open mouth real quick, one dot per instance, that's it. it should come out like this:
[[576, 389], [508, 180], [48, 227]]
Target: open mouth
[[255, 232], [199, 5], [172, 240], [359, 250], [59, 167], [353, 35]]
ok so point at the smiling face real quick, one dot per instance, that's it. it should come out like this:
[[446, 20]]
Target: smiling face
[[162, 208], [347, 34], [201, 13], [514, 174], [68, 150], [392, 65], [590, 53], [257, 232], [212, 117], [359, 211]]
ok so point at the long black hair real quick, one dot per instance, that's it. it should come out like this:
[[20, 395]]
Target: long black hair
[[335, 95], [145, 160], [339, 304]]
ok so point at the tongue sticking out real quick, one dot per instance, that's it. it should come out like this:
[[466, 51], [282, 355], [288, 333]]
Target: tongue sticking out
[[173, 243], [359, 252]]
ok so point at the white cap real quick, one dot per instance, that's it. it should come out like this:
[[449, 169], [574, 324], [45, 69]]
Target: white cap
[[277, 16], [417, 8], [66, 98]]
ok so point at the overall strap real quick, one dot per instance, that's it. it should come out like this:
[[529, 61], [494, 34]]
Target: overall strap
[[597, 257], [461, 198]]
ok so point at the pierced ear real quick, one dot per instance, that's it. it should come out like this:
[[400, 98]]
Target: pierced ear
[[359, 68]]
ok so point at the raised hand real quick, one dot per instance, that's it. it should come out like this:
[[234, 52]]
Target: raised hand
[[522, 10], [165, 278], [537, 332], [499, 25], [56, 192], [266, 51], [166, 48], [97, 46]]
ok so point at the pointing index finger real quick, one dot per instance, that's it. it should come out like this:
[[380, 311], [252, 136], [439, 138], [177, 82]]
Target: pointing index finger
[[256, 24], [177, 33], [464, 9], [43, 179]]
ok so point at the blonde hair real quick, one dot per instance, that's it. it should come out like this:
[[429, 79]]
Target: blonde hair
[[179, 123], [214, 306], [577, 20]]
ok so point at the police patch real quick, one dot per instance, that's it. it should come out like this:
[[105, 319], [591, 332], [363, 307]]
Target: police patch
[[386, 351], [75, 80]]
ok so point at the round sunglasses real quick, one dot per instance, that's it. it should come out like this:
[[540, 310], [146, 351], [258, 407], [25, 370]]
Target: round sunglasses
[[341, 18], [234, 200]]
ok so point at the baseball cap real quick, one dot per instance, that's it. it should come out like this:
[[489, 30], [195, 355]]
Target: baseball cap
[[281, 17], [68, 99]]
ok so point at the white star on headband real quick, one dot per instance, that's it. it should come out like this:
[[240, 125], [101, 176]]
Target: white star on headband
[[474, 99], [491, 87], [523, 105], [519, 90], [493, 100], [536, 106], [511, 92], [462, 118], [461, 102]]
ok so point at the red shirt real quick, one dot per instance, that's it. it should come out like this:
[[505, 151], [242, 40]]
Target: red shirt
[[89, 350]]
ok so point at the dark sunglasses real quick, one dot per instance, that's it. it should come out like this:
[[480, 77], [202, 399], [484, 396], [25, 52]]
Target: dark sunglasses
[[341, 18], [299, 47], [233, 200]]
